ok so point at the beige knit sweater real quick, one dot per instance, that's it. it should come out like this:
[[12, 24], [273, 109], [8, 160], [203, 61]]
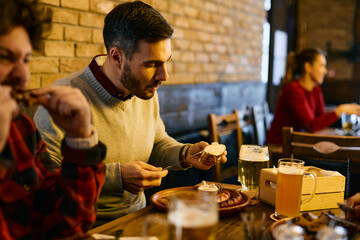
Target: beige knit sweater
[[132, 130]]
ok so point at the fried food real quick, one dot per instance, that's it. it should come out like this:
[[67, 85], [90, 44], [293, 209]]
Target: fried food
[[226, 198], [234, 199], [223, 196]]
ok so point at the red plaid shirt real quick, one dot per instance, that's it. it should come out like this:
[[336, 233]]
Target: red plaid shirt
[[40, 200]]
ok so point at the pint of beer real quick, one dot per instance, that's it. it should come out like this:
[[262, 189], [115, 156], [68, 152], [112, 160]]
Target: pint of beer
[[194, 217], [288, 188], [252, 159]]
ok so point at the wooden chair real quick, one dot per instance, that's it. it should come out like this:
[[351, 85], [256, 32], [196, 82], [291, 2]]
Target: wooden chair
[[338, 153], [220, 128]]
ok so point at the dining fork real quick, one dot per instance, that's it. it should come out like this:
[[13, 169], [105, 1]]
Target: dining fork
[[173, 165]]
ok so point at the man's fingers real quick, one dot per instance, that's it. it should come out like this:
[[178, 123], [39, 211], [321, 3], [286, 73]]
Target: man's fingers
[[157, 174]]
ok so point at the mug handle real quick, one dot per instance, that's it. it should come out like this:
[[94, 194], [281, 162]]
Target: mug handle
[[313, 176]]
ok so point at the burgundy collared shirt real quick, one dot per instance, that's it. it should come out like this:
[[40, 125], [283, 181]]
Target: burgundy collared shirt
[[105, 81]]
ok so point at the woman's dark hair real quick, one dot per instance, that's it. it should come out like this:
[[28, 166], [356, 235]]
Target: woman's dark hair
[[26, 14], [130, 22], [295, 63]]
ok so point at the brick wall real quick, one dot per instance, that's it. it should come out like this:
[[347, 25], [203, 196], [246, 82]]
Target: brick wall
[[216, 43], [214, 40]]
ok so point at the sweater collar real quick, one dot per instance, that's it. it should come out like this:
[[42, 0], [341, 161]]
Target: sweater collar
[[104, 80]]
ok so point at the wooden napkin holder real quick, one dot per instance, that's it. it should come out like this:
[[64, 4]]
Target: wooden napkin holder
[[329, 191]]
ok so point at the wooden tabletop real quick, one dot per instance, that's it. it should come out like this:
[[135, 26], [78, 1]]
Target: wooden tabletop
[[336, 132], [326, 131], [228, 227]]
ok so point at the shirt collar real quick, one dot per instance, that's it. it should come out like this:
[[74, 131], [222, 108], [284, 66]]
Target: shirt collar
[[104, 80]]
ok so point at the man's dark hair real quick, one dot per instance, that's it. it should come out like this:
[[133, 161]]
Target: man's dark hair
[[26, 14], [130, 22]]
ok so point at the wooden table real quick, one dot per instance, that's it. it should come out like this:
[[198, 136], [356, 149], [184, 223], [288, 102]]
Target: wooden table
[[228, 228], [327, 131], [336, 132]]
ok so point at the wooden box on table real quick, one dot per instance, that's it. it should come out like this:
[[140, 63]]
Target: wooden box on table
[[329, 189]]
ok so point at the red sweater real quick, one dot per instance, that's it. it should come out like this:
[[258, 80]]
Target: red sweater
[[39, 200], [300, 109]]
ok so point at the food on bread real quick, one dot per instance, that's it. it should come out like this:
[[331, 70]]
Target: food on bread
[[212, 153]]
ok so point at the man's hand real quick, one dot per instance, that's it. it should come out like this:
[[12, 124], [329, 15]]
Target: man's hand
[[8, 110], [68, 108], [137, 176], [354, 202], [193, 155]]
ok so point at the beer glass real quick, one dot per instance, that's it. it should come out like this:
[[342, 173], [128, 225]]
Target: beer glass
[[288, 187], [190, 216], [349, 122], [252, 158]]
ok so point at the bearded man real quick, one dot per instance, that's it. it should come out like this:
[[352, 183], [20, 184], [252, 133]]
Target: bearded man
[[125, 109]]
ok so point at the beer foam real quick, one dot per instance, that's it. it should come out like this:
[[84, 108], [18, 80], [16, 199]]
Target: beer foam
[[291, 170], [192, 217], [254, 153]]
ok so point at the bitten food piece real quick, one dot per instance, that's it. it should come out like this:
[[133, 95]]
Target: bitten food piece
[[212, 153], [23, 96]]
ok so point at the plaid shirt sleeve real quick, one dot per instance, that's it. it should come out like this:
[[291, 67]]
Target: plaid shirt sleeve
[[40, 200]]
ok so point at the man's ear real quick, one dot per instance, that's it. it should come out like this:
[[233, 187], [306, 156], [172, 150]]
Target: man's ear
[[117, 57]]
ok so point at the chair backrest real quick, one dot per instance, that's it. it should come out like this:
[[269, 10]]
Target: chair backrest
[[267, 115], [260, 115], [339, 153], [221, 127], [246, 122]]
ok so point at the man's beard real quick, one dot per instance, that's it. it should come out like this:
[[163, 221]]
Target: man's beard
[[129, 81]]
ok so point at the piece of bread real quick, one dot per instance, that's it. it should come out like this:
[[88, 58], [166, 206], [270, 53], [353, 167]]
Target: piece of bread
[[212, 153]]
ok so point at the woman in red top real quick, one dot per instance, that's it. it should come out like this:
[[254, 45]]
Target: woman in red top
[[301, 102]]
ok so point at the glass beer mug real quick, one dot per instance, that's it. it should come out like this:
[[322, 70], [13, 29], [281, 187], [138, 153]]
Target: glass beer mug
[[349, 122], [289, 187], [190, 216], [252, 158]]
